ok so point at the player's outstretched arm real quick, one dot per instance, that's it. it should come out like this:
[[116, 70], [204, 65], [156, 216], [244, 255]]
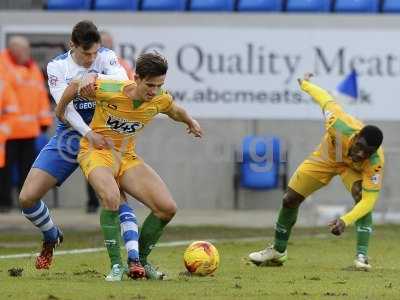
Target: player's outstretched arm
[[69, 94], [179, 114], [364, 206], [318, 94]]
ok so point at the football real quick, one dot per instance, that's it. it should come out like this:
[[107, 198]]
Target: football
[[201, 258]]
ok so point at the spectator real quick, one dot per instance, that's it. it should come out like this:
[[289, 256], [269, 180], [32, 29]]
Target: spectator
[[108, 42], [33, 117], [8, 111]]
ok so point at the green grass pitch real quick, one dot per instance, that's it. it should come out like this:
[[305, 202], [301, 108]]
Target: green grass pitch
[[319, 267]]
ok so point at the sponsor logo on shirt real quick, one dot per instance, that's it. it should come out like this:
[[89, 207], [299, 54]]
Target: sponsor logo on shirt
[[123, 126], [53, 80], [375, 178], [83, 104]]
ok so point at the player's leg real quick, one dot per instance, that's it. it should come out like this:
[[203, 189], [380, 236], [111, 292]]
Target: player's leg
[[353, 183], [309, 177], [144, 184], [36, 185], [100, 167], [103, 182], [50, 168], [130, 235]]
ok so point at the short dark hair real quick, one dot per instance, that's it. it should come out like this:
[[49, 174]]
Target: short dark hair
[[372, 135], [85, 34], [151, 65]]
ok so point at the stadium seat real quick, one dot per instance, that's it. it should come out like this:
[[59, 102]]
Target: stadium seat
[[260, 5], [391, 6], [212, 5], [164, 5], [258, 164], [308, 6], [112, 5], [68, 4], [357, 6]]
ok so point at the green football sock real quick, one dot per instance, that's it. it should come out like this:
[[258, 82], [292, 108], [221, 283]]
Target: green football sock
[[109, 222], [363, 230], [287, 218], [151, 231]]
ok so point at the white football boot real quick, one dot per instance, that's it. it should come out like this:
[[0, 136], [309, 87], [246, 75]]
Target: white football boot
[[361, 263], [268, 257], [116, 273]]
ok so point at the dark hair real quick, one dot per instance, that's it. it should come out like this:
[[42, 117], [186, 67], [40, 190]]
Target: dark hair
[[372, 135], [85, 34], [151, 65]]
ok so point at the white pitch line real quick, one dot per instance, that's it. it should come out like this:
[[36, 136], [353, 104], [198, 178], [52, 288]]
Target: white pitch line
[[161, 245]]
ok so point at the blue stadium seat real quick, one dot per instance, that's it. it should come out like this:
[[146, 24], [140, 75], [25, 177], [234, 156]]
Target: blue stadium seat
[[391, 6], [164, 5], [260, 5], [212, 5], [260, 162], [308, 6], [116, 5], [68, 4], [357, 6]]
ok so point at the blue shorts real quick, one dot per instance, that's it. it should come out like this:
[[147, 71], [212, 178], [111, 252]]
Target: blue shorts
[[58, 157]]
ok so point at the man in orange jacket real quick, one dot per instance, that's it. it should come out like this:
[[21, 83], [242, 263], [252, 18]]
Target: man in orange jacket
[[8, 112], [33, 117]]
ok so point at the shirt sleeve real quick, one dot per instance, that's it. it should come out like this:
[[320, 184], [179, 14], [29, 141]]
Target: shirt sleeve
[[165, 103], [57, 85], [364, 206], [44, 114], [318, 94], [56, 80], [112, 69], [371, 186], [330, 108]]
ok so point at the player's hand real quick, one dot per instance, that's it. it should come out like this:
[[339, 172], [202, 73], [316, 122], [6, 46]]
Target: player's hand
[[306, 77], [194, 128], [337, 226], [87, 87], [60, 113], [98, 141]]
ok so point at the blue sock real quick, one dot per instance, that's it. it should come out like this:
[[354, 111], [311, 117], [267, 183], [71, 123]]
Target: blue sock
[[129, 231], [40, 217]]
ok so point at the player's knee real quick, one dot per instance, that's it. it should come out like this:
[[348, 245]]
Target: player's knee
[[110, 199], [167, 212], [356, 191], [26, 199], [291, 201]]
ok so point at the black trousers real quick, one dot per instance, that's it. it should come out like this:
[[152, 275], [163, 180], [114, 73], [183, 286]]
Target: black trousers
[[93, 202], [20, 155]]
